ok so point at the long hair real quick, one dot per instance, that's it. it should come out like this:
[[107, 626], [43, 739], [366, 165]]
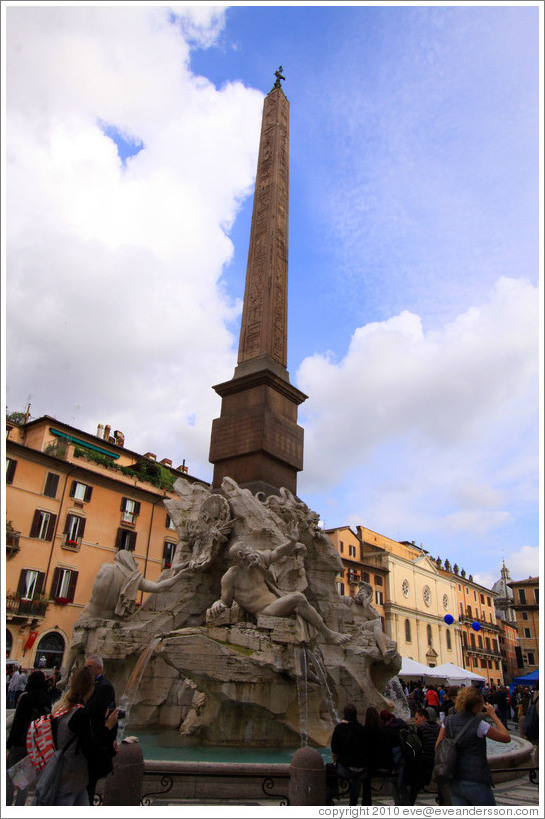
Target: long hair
[[467, 698], [81, 685], [372, 719]]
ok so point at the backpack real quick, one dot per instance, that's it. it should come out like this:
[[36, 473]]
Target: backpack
[[446, 753], [530, 725], [411, 746], [39, 739]]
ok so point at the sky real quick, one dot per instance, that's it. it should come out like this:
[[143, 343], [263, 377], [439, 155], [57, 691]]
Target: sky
[[415, 269]]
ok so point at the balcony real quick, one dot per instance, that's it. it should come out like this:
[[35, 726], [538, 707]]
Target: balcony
[[12, 541], [17, 609]]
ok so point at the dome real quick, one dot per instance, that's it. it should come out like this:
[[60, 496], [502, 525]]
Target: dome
[[501, 588]]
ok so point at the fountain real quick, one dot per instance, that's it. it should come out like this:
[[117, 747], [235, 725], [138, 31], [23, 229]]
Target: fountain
[[225, 675]]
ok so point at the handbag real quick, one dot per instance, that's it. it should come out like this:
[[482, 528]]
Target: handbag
[[446, 753], [23, 773], [49, 780]]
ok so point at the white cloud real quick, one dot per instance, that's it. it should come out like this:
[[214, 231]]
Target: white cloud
[[421, 432], [115, 299]]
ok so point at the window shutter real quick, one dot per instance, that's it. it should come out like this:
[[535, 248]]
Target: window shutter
[[10, 471], [40, 582], [35, 528], [51, 484], [72, 585], [132, 541], [55, 583], [88, 493], [73, 489], [119, 538], [123, 504], [167, 524], [137, 507], [51, 527], [22, 581], [68, 523], [81, 527]]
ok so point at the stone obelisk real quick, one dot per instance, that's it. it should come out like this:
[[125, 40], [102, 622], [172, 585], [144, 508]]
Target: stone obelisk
[[256, 440]]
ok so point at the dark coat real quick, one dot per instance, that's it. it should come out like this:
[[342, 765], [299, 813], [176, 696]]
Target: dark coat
[[349, 744], [100, 703], [428, 733], [31, 706]]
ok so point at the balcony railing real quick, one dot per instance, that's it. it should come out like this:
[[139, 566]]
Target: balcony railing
[[25, 608]]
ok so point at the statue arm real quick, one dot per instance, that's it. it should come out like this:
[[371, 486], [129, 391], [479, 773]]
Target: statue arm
[[161, 585], [227, 594], [286, 548]]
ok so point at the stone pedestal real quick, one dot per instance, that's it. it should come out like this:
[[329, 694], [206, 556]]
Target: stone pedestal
[[124, 785], [307, 778]]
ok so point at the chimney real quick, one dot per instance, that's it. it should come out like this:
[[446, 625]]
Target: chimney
[[107, 430], [119, 438], [151, 456], [183, 468], [166, 462], [100, 431]]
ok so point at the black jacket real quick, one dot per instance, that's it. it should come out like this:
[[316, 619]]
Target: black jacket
[[31, 706], [349, 744], [100, 703]]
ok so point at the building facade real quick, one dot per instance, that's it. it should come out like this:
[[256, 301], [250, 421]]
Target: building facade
[[526, 608], [72, 501]]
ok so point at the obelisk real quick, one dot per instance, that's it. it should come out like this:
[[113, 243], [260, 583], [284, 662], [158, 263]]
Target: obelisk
[[256, 440]]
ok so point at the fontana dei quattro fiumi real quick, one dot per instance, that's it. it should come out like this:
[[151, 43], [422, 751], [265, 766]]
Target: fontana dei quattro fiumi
[[244, 640]]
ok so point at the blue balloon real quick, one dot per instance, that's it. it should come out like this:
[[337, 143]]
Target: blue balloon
[[448, 618], [476, 625]]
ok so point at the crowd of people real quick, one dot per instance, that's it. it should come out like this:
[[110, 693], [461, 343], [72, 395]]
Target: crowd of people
[[84, 722], [384, 745]]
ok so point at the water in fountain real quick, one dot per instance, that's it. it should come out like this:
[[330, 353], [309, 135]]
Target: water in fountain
[[133, 683], [394, 692], [321, 673], [302, 691]]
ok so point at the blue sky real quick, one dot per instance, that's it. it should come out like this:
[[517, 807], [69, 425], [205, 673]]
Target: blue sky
[[414, 245]]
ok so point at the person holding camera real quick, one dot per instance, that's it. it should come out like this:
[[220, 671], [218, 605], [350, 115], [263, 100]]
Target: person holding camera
[[101, 705]]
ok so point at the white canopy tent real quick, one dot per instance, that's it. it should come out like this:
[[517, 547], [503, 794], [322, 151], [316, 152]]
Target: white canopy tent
[[410, 668], [454, 675]]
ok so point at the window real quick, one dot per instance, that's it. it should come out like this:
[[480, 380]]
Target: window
[[428, 632], [496, 665], [480, 639], [365, 576], [407, 631], [168, 553], [524, 615], [73, 531], [487, 640], [483, 663], [531, 659], [340, 588], [63, 585], [488, 603], [536, 595], [170, 523], [482, 599], [449, 641], [474, 595], [469, 613], [80, 491], [352, 576], [125, 540], [464, 635], [11, 465], [43, 525], [130, 509], [490, 663], [30, 584], [51, 485], [462, 609], [378, 580], [352, 551], [379, 597], [527, 632], [472, 640], [341, 546], [522, 596]]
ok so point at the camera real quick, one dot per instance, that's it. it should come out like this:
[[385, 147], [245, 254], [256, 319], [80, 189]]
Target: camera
[[121, 713]]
